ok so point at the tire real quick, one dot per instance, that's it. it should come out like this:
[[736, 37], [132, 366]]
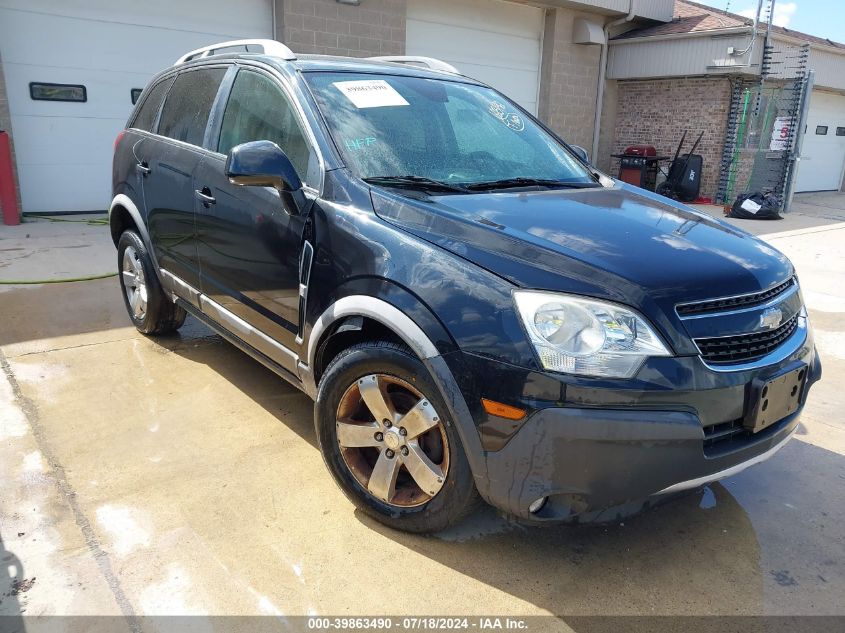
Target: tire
[[151, 310], [342, 417]]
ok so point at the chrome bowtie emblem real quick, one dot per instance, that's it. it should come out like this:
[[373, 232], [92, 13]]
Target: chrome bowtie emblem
[[770, 318]]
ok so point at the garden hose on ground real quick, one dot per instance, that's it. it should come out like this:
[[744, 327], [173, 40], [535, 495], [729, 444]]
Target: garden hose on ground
[[29, 217], [29, 282]]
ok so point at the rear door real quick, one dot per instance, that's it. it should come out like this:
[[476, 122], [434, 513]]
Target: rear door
[[249, 246], [169, 160], [142, 129]]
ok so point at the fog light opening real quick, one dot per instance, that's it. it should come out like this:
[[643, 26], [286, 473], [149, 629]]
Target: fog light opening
[[538, 505]]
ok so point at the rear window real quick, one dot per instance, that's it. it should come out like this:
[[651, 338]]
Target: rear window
[[146, 117], [188, 104]]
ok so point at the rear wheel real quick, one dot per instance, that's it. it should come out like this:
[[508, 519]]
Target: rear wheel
[[387, 439], [150, 309]]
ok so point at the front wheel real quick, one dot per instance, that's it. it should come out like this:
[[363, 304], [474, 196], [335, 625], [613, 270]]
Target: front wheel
[[386, 437]]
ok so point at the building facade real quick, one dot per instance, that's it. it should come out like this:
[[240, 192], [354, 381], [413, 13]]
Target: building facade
[[87, 59], [70, 72], [680, 75]]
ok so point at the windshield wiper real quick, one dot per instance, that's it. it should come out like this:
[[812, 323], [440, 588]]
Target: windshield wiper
[[527, 182], [414, 182]]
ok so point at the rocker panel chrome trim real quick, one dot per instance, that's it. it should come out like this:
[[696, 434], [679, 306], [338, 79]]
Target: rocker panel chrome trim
[[260, 341], [180, 289], [278, 353]]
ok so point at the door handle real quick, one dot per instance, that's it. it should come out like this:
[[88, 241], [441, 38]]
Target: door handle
[[142, 168], [204, 196]]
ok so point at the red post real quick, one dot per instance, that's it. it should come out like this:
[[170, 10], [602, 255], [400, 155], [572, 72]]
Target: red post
[[8, 196]]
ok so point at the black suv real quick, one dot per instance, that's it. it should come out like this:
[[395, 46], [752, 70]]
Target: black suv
[[475, 309]]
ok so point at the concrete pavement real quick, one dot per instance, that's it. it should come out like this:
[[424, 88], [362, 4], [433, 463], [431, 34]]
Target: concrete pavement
[[177, 476]]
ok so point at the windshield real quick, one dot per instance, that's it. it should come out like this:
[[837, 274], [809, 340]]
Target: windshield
[[388, 126]]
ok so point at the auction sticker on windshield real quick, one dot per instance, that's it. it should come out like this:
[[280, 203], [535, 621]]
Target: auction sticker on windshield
[[370, 93]]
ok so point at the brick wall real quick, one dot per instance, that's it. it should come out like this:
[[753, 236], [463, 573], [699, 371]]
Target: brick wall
[[375, 27], [6, 125], [568, 79], [656, 112]]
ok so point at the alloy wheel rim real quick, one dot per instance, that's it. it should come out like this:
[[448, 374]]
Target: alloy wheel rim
[[134, 283], [392, 440]]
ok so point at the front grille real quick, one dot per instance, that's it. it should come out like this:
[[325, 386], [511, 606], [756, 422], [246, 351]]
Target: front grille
[[743, 348], [733, 303]]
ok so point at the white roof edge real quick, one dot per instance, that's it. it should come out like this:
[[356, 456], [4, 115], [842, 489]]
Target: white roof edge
[[417, 60], [269, 47], [797, 39], [792, 38], [732, 30]]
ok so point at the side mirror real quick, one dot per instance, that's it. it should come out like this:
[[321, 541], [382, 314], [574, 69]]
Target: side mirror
[[264, 164], [581, 153]]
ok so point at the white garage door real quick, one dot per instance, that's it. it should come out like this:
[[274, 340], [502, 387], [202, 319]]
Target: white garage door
[[64, 149], [823, 160], [495, 42]]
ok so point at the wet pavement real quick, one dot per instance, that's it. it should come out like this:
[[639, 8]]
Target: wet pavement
[[177, 476]]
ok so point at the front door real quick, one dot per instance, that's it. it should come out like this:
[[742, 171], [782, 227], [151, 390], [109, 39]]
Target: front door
[[248, 245]]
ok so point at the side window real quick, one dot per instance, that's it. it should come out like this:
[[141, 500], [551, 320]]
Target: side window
[[188, 104], [146, 117], [258, 110]]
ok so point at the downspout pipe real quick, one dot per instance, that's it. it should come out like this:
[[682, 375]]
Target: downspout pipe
[[603, 74]]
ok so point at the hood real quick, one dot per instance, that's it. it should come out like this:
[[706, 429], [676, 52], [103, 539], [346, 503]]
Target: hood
[[620, 243]]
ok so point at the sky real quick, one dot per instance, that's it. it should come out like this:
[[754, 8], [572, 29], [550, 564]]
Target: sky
[[822, 18]]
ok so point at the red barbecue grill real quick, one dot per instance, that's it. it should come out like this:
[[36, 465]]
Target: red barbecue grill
[[638, 165]]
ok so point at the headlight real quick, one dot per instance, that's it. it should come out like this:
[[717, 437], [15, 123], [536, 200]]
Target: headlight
[[576, 335]]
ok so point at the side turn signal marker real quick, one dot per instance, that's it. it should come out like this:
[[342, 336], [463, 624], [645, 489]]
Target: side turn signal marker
[[502, 410]]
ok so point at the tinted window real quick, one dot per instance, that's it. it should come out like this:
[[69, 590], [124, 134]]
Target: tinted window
[[258, 110], [146, 117], [821, 130], [188, 104]]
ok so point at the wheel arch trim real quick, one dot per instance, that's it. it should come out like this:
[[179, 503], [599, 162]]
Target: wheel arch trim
[[413, 335], [125, 202], [378, 310]]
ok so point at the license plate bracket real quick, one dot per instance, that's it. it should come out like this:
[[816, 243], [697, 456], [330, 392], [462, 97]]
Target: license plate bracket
[[775, 397]]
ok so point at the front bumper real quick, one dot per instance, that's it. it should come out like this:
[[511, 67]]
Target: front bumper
[[592, 464], [597, 450]]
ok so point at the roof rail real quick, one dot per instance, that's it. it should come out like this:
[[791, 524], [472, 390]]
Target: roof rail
[[415, 60], [268, 47]]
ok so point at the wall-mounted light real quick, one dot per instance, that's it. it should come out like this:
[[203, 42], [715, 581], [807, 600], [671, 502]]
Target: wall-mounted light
[[352, 2]]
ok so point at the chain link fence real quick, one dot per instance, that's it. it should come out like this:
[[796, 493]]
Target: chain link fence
[[763, 126]]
